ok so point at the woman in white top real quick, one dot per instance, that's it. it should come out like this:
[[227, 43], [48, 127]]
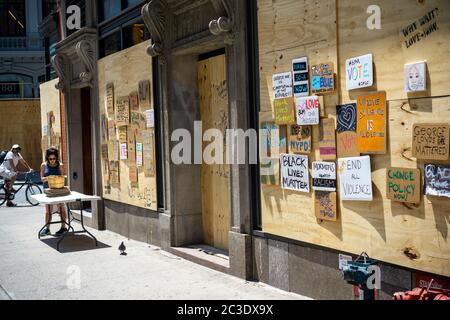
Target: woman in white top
[[9, 171]]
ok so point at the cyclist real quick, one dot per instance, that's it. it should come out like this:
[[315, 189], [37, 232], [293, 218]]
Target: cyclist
[[9, 171], [52, 167]]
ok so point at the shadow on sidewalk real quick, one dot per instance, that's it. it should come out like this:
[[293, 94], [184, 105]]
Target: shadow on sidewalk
[[74, 243]]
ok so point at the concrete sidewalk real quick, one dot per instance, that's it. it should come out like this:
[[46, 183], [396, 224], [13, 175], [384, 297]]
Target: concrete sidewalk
[[34, 269]]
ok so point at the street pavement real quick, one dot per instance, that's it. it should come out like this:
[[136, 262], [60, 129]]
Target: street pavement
[[33, 269]]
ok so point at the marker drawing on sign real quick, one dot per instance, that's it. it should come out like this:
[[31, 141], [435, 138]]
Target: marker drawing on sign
[[371, 123], [284, 111], [322, 78], [355, 178], [415, 77], [307, 110], [431, 141], [294, 172], [282, 85], [437, 180], [323, 176], [327, 139], [359, 72], [346, 130], [325, 206], [403, 184], [300, 71]]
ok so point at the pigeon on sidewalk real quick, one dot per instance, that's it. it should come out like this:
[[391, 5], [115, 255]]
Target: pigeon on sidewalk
[[122, 249]]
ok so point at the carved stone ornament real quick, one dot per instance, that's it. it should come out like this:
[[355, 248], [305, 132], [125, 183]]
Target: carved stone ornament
[[225, 21], [155, 14], [58, 65], [85, 51]]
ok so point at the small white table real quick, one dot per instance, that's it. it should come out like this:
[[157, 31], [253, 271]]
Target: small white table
[[73, 197]]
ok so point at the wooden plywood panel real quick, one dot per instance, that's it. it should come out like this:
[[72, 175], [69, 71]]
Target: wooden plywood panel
[[50, 104], [125, 70], [214, 177], [390, 52]]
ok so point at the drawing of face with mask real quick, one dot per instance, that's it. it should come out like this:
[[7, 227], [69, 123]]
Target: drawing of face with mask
[[415, 79]]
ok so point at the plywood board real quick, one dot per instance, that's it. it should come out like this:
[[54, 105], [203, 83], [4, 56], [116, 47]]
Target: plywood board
[[123, 111]]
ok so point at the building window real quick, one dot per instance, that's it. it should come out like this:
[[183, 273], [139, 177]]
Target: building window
[[134, 33], [16, 86], [12, 18], [109, 9], [110, 44]]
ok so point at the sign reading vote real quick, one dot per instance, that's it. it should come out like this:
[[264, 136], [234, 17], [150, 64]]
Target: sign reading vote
[[403, 184], [431, 141], [324, 176], [294, 172], [437, 180], [282, 85], [307, 109], [359, 72], [355, 179]]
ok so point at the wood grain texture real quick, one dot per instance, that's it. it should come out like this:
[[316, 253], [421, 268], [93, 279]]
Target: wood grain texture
[[214, 177], [386, 230], [125, 69]]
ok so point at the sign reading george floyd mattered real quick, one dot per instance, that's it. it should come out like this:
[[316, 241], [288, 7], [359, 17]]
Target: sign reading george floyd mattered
[[403, 184], [324, 176], [437, 180], [431, 141], [371, 123], [294, 172], [355, 178]]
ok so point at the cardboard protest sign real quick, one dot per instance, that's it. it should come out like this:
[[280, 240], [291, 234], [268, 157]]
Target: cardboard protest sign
[[437, 180], [431, 141], [323, 176], [355, 178], [148, 145], [300, 71], [371, 123], [327, 139], [110, 99], [300, 139], [294, 172], [123, 134], [325, 205], [403, 184], [133, 176], [284, 111], [307, 110], [282, 85], [131, 146], [359, 72], [322, 78], [114, 172], [134, 101], [346, 137], [123, 111], [269, 171]]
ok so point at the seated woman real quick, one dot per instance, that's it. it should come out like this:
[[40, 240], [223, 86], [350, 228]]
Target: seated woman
[[52, 167]]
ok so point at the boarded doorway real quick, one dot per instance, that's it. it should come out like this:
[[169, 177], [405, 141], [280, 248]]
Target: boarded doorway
[[215, 177]]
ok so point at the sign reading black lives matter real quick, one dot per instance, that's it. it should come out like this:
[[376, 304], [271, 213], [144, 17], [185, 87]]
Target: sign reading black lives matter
[[437, 180], [294, 172], [324, 176]]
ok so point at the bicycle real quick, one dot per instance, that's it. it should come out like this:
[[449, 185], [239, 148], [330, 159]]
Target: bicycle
[[31, 189]]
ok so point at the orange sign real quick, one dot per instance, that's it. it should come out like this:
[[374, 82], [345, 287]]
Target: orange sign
[[371, 123]]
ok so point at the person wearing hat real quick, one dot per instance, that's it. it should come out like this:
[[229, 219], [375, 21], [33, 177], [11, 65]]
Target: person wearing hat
[[9, 171]]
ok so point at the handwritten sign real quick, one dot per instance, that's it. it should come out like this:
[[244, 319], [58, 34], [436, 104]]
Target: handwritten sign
[[403, 184], [134, 101], [300, 70], [322, 78], [346, 131], [437, 180], [122, 134], [123, 151], [131, 146], [282, 85], [144, 93], [359, 72], [294, 172], [325, 206], [273, 139], [415, 77], [420, 29], [114, 172], [133, 175], [284, 111], [269, 171], [307, 110], [139, 154], [323, 176], [371, 123], [300, 139], [327, 139], [110, 99], [355, 179], [431, 141], [123, 111], [148, 139], [150, 117], [137, 120]]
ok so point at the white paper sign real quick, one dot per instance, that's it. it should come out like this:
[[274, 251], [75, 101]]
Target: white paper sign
[[300, 71], [324, 176], [359, 72], [123, 151], [307, 110], [294, 172], [150, 116], [282, 85], [415, 77], [343, 259], [355, 178]]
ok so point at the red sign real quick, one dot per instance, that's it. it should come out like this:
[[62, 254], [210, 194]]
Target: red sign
[[424, 281]]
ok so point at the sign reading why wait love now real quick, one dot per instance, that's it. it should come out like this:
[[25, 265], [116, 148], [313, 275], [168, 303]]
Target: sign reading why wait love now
[[294, 172], [437, 180], [355, 179], [431, 141], [403, 184], [324, 176], [282, 85]]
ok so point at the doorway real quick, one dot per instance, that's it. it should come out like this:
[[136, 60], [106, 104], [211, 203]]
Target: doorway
[[213, 95]]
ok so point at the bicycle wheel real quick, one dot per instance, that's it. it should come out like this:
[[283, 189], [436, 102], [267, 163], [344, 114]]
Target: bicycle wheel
[[3, 195], [31, 190]]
